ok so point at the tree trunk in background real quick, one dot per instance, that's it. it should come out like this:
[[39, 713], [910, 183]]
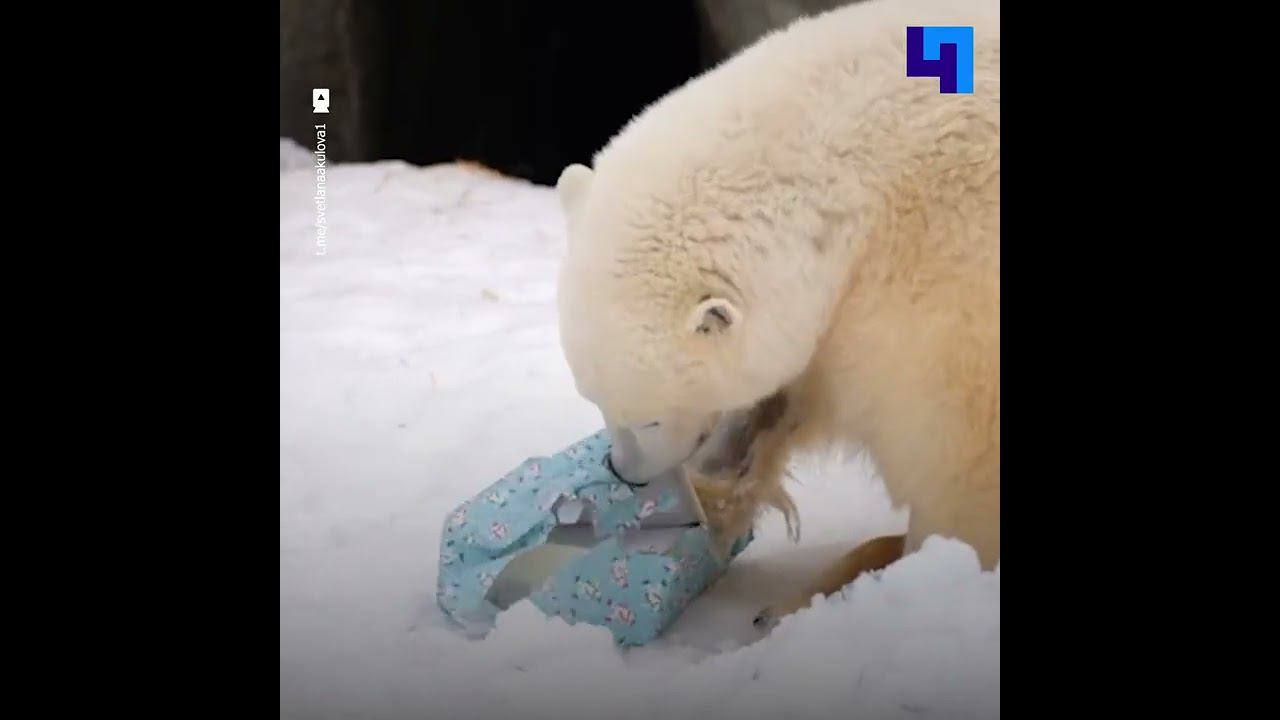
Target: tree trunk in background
[[316, 50], [523, 86]]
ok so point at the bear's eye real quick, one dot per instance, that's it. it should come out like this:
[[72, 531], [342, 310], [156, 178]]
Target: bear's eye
[[650, 425]]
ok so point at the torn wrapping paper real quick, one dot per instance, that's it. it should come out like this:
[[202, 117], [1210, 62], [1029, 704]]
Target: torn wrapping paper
[[580, 544]]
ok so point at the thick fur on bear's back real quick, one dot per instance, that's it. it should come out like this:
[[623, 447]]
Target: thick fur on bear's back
[[846, 218]]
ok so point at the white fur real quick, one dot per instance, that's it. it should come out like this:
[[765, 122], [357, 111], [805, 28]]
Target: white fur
[[842, 222]]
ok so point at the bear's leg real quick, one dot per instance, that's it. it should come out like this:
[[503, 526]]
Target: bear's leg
[[734, 497], [872, 555], [968, 512], [744, 473], [967, 509]]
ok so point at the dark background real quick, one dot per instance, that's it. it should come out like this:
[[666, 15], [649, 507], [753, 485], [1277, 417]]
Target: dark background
[[523, 86]]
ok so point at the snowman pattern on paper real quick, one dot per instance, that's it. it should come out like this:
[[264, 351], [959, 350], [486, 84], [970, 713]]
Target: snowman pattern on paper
[[531, 472], [622, 614], [449, 593], [689, 563], [588, 590], [619, 572], [458, 519]]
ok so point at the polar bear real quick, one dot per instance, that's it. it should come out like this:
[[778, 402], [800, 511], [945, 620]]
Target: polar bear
[[796, 249]]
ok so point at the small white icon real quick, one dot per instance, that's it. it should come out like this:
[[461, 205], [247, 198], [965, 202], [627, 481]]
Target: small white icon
[[320, 100]]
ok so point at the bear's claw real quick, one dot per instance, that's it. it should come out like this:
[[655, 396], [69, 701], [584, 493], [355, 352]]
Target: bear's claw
[[765, 620]]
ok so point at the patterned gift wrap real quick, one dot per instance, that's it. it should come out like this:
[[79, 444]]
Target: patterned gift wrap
[[564, 532]]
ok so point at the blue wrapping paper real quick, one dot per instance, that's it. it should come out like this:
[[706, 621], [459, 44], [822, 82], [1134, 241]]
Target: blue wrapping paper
[[568, 535]]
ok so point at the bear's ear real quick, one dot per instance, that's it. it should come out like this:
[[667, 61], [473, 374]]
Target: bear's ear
[[572, 185], [713, 316]]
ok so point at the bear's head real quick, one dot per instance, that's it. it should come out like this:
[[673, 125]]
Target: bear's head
[[668, 331]]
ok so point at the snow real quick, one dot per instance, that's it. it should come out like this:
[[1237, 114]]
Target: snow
[[293, 155], [419, 362]]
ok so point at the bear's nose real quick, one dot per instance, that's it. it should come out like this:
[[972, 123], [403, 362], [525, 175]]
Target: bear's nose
[[624, 454]]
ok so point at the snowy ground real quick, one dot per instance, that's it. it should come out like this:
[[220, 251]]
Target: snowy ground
[[419, 362]]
